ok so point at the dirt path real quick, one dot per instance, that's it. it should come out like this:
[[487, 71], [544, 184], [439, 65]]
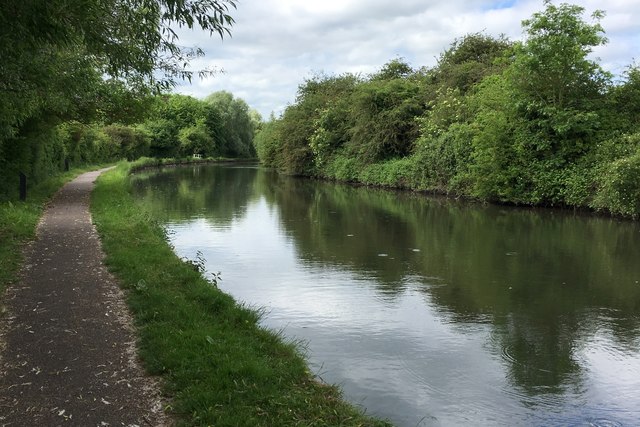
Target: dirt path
[[68, 349]]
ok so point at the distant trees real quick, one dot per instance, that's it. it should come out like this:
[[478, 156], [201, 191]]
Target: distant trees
[[219, 126], [238, 124], [532, 122]]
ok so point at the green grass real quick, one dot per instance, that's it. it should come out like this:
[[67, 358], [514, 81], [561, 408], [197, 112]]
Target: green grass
[[18, 221], [219, 367]]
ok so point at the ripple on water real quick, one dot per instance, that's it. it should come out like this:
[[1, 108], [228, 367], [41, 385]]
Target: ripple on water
[[603, 422], [506, 354]]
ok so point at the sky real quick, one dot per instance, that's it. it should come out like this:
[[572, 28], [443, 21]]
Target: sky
[[276, 44]]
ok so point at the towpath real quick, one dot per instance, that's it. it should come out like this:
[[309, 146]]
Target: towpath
[[67, 346]]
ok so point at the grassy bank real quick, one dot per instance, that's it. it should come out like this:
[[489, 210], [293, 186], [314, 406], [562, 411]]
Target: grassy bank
[[219, 366], [18, 221]]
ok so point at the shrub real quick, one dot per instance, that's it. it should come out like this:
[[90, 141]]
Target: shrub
[[133, 142], [620, 187]]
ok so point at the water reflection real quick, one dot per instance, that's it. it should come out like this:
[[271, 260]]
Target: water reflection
[[426, 311]]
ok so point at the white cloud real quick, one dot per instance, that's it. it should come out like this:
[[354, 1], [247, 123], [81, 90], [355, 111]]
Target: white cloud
[[276, 44]]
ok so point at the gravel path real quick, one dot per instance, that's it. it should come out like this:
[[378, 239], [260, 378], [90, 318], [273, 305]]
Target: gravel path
[[67, 347]]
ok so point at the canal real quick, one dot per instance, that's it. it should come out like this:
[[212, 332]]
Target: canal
[[424, 310]]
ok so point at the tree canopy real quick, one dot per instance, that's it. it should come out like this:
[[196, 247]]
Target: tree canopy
[[89, 61], [56, 53], [535, 122]]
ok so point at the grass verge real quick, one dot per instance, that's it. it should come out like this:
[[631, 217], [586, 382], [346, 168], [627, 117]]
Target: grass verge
[[219, 366], [18, 221]]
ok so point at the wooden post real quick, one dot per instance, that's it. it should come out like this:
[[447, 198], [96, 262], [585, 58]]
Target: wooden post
[[23, 186]]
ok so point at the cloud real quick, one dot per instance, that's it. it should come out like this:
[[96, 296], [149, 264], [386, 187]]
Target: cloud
[[276, 44]]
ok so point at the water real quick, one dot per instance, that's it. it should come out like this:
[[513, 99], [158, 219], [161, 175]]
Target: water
[[426, 311]]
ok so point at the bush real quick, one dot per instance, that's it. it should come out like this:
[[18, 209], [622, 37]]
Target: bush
[[442, 162], [397, 173], [163, 137], [342, 168], [620, 187], [196, 139], [267, 143], [133, 142], [385, 113], [38, 153]]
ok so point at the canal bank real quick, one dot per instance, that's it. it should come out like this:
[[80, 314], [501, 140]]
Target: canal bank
[[219, 366]]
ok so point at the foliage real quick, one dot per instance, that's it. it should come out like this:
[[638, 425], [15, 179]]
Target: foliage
[[537, 122], [221, 125], [196, 139], [383, 114], [343, 167], [469, 60], [133, 142], [128, 39], [553, 66], [395, 173], [39, 153], [237, 124], [307, 131], [266, 142], [620, 192], [90, 61], [619, 181], [163, 135], [443, 160], [625, 101]]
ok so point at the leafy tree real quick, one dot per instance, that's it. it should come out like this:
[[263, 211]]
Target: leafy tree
[[237, 128], [163, 137], [181, 110], [129, 39], [394, 69], [384, 113], [552, 66], [548, 113], [313, 129], [89, 60], [469, 60], [626, 101], [133, 143], [196, 139], [267, 143]]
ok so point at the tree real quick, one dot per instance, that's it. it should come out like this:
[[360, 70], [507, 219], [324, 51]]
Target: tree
[[384, 113], [394, 69], [548, 110], [237, 128], [626, 100], [553, 65], [196, 139], [129, 39], [469, 60], [65, 47]]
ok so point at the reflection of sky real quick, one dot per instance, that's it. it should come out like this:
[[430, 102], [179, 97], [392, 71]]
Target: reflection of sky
[[400, 357]]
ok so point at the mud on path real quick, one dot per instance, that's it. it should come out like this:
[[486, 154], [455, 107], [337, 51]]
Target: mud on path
[[67, 347]]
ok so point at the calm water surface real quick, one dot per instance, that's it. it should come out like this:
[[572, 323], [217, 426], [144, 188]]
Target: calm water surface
[[425, 311]]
